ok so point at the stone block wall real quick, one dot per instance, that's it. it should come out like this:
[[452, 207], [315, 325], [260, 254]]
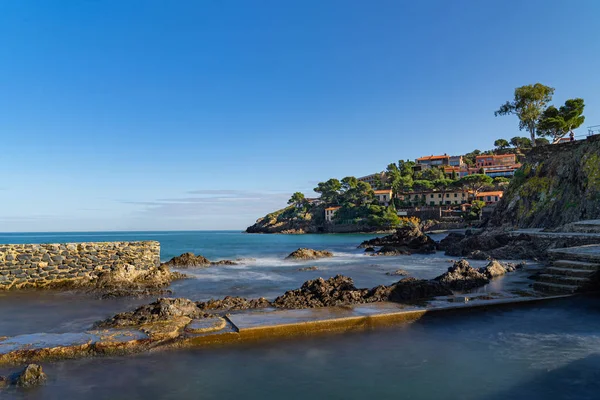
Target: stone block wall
[[39, 265]]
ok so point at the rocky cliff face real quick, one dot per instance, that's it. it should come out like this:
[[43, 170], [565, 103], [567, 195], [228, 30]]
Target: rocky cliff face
[[557, 184]]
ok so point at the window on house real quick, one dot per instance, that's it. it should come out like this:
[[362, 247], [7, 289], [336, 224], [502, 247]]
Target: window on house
[[455, 194], [447, 195], [432, 195], [440, 195], [432, 203]]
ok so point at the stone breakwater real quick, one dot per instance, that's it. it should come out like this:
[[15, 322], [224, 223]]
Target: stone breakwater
[[45, 265]]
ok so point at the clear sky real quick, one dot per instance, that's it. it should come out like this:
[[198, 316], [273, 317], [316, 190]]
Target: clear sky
[[147, 114]]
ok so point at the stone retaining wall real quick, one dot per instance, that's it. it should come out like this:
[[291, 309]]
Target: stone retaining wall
[[39, 265]]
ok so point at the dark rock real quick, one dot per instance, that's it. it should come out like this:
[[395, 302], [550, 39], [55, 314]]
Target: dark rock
[[224, 262], [369, 250], [188, 260], [162, 309], [493, 269], [309, 254], [392, 251], [398, 272], [313, 268], [478, 255], [461, 276], [231, 303], [408, 238], [31, 376], [410, 289], [319, 292]]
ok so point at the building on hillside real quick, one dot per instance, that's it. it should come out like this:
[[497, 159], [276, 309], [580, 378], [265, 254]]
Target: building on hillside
[[495, 160], [384, 196], [314, 200], [490, 197], [456, 161], [424, 163], [502, 165], [330, 212], [435, 198], [456, 172], [373, 178]]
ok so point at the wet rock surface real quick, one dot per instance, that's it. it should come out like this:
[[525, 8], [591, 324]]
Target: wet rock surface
[[340, 290], [408, 239], [232, 303], [162, 309], [31, 376], [309, 254], [398, 272], [187, 260], [128, 281], [462, 276], [190, 260]]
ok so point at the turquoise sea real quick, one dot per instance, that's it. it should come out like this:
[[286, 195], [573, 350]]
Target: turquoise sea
[[544, 351]]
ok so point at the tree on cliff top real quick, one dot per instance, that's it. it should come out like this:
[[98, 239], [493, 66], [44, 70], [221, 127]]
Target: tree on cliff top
[[356, 192], [501, 144], [521, 143], [556, 123], [329, 191], [529, 103], [297, 199], [475, 183]]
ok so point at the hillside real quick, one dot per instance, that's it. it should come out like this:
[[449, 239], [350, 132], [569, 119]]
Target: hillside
[[556, 185]]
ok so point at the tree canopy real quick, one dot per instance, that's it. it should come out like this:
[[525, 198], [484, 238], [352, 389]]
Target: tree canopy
[[475, 183], [297, 199], [556, 123], [501, 144], [529, 103], [329, 191], [521, 143]]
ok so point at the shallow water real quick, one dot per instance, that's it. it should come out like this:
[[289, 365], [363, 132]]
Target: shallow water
[[264, 272], [545, 351]]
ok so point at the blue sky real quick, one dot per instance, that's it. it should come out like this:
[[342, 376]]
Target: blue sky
[[146, 114]]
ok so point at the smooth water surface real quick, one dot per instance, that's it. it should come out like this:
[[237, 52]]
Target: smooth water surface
[[547, 351]]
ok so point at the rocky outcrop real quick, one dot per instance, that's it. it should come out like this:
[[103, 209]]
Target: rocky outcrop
[[308, 254], [189, 260], [232, 303], [556, 185], [504, 245], [125, 280], [163, 309], [408, 239], [340, 290], [495, 268], [461, 276], [31, 376]]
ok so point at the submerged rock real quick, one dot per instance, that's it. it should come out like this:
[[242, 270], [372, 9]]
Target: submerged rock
[[410, 289], [461, 276], [398, 272], [309, 254], [187, 260], [313, 268], [408, 239], [224, 262], [31, 376]]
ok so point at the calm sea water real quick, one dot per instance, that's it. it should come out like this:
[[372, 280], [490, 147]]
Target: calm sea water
[[548, 351]]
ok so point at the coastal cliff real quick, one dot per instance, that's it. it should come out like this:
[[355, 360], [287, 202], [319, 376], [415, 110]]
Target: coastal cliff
[[557, 184], [291, 220]]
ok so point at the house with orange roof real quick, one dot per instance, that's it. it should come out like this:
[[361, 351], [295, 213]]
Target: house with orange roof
[[330, 213], [490, 197], [384, 196]]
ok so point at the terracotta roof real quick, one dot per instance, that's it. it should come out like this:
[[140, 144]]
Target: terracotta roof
[[383, 191], [498, 193], [333, 208], [427, 158]]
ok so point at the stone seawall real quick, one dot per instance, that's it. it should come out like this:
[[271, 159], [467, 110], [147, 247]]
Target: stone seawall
[[39, 265]]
